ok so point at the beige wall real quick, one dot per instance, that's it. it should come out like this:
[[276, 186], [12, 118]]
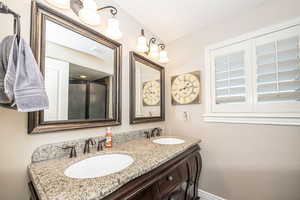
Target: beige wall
[[240, 161], [16, 146]]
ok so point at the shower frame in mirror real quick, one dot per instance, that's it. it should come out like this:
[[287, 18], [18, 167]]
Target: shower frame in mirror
[[137, 120], [39, 14]]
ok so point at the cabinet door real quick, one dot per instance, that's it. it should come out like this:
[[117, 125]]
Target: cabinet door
[[177, 193], [182, 182], [172, 179]]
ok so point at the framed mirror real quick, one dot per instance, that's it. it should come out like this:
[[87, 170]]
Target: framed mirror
[[82, 73], [147, 90]]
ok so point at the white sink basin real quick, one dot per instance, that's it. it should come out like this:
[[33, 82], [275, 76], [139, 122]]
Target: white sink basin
[[98, 166], [168, 141]]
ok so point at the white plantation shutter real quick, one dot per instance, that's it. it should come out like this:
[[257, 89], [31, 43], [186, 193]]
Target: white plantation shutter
[[256, 77], [278, 70], [230, 78]]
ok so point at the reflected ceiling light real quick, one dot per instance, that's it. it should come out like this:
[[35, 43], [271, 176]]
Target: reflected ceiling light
[[63, 4], [113, 29], [142, 43], [152, 48], [83, 76], [88, 13]]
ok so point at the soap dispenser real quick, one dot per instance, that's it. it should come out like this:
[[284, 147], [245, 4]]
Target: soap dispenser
[[108, 137]]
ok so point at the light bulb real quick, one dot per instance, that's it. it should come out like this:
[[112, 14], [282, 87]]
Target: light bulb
[[88, 13], [154, 51], [142, 43], [163, 57], [63, 4], [113, 29]]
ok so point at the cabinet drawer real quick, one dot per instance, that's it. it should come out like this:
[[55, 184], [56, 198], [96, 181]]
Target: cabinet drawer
[[147, 194], [171, 180]]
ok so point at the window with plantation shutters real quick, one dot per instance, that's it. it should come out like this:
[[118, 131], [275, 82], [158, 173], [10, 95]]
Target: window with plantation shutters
[[255, 78], [230, 78], [278, 71]]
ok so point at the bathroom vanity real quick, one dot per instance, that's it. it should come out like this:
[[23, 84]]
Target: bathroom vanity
[[158, 172], [82, 72], [175, 180]]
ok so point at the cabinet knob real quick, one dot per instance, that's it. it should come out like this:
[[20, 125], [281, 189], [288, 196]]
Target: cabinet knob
[[170, 178]]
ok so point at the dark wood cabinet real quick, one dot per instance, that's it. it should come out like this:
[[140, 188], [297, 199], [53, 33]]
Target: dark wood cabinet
[[176, 179]]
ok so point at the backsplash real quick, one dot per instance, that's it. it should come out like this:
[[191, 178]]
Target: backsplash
[[54, 150]]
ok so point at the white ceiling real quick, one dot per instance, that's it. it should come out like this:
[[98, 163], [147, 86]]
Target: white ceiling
[[73, 40], [76, 71], [172, 19]]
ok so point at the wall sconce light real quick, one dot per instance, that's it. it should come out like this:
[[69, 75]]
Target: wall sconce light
[[88, 13], [163, 56], [87, 10], [142, 46], [152, 48], [113, 29]]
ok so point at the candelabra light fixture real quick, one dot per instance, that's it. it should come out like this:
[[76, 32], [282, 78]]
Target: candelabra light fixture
[[87, 11], [152, 48]]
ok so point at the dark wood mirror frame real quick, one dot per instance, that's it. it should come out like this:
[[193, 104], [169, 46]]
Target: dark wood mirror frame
[[136, 120], [39, 14]]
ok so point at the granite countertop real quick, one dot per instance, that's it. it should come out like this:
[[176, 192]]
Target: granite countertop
[[51, 184]]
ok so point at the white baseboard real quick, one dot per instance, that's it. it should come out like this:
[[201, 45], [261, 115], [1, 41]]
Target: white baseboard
[[208, 196]]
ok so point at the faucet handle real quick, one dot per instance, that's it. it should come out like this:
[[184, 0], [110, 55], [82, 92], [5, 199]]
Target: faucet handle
[[100, 144], [160, 130], [73, 152], [147, 133], [92, 141], [89, 141]]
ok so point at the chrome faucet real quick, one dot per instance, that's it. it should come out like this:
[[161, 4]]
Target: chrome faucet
[[148, 135], [88, 142]]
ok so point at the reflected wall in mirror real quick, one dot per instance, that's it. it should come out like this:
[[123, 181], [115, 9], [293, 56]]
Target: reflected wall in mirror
[[81, 69], [147, 90]]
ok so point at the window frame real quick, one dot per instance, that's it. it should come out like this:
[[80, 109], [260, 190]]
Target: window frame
[[251, 114]]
